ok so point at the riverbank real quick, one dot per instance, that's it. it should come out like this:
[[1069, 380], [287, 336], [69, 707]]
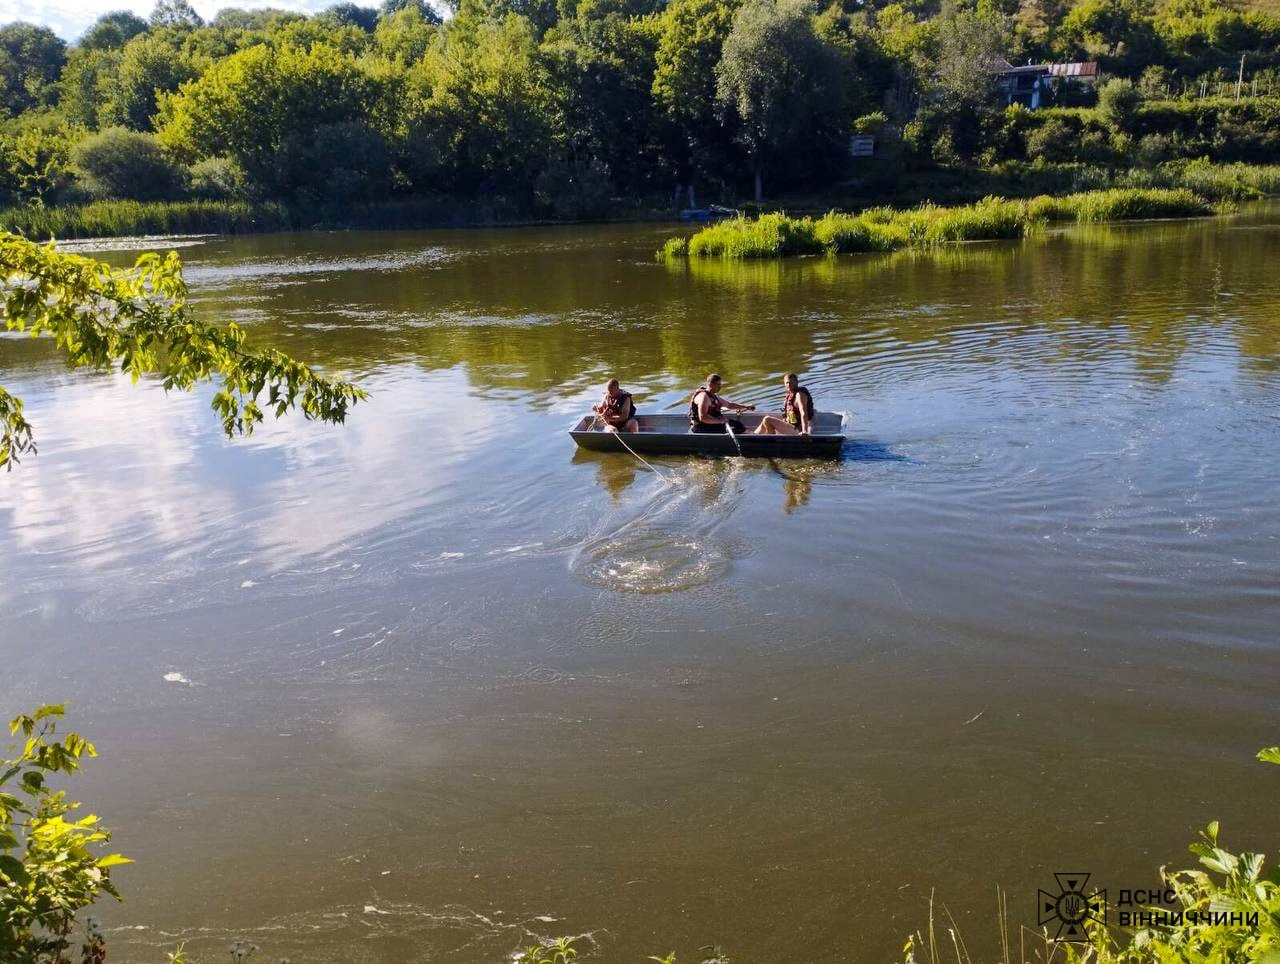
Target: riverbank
[[777, 235], [939, 186]]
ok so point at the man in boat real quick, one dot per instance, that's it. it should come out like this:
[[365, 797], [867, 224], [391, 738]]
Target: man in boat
[[797, 411], [706, 409], [616, 409]]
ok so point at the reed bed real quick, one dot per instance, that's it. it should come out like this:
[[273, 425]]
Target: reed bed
[[885, 229], [120, 218]]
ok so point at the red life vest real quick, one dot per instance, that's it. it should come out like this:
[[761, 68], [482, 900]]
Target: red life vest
[[617, 406], [790, 409], [713, 411]]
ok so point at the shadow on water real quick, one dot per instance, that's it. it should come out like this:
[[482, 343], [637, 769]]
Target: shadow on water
[[869, 450]]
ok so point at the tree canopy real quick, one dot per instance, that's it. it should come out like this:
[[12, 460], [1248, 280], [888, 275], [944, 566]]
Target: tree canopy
[[139, 322]]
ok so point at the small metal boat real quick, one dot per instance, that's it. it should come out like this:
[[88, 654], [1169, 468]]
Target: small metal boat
[[670, 435]]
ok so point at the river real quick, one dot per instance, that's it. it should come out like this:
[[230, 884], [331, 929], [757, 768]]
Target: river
[[431, 684]]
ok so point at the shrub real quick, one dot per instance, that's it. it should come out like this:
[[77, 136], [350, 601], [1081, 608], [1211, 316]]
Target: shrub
[[1054, 141], [49, 868], [217, 179], [1118, 103], [120, 163]]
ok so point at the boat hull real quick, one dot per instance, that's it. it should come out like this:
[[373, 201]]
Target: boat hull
[[670, 435]]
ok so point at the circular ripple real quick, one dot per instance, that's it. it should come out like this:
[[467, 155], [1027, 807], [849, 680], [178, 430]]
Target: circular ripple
[[650, 561]]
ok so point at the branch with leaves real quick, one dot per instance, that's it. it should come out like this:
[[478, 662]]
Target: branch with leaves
[[49, 868], [139, 319]]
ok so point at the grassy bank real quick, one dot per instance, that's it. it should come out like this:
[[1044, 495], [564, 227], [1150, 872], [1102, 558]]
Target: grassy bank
[[122, 218], [885, 229], [102, 219]]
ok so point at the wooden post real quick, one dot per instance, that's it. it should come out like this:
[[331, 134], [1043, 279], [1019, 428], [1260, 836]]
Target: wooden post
[[1240, 77]]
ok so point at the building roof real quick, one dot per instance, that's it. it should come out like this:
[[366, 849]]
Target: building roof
[[1080, 69]]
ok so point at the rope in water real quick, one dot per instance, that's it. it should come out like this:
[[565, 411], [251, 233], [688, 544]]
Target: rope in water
[[618, 435]]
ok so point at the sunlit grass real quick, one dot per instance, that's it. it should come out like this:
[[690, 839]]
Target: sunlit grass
[[885, 229]]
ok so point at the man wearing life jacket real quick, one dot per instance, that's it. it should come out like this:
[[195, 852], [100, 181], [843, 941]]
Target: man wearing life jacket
[[797, 411], [706, 409], [616, 409]]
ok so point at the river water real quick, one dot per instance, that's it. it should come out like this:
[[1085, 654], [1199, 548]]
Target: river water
[[432, 684]]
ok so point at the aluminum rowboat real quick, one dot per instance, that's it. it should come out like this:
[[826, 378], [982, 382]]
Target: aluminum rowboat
[[670, 435]]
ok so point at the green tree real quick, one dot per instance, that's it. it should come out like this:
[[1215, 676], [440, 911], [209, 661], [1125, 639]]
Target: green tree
[[487, 122], [112, 31], [31, 59], [51, 865], [150, 65], [120, 163], [1118, 32], [405, 35], [37, 162], [139, 321], [390, 8], [178, 14], [85, 84], [296, 121], [351, 15], [691, 36], [601, 64], [1119, 101], [783, 84]]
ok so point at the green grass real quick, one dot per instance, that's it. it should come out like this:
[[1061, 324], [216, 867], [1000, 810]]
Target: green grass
[[885, 229], [116, 218]]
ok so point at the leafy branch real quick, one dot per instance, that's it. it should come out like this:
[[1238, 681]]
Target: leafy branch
[[48, 866], [139, 319]]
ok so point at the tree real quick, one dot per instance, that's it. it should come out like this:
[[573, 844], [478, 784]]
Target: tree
[[600, 64], [138, 319], [37, 162], [351, 15], [487, 122], [1119, 32], [31, 59], [85, 84], [782, 83], [177, 14], [149, 64], [50, 866], [120, 163], [691, 36], [273, 111], [1118, 103], [424, 10], [112, 31]]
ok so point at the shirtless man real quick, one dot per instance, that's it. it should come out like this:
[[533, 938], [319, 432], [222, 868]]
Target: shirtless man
[[797, 411]]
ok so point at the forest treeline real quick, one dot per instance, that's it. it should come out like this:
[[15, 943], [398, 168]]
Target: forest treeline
[[561, 107]]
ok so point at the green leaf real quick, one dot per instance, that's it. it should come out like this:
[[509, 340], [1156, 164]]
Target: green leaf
[[113, 860], [12, 868], [1270, 755]]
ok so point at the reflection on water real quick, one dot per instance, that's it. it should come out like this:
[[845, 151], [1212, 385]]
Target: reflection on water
[[472, 685]]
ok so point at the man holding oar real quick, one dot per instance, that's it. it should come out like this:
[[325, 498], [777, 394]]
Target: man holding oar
[[706, 410]]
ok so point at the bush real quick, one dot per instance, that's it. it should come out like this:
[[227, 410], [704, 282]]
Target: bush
[[217, 179], [1118, 104], [48, 866], [120, 163], [1054, 141]]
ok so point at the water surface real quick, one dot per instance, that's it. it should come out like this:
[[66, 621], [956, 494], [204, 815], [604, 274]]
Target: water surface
[[429, 685]]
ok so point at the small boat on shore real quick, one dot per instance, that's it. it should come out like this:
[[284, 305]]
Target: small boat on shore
[[670, 435]]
